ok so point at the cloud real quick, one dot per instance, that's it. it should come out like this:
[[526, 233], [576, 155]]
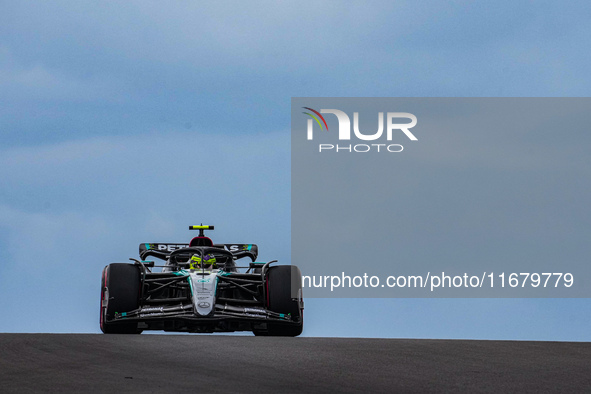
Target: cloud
[[115, 68], [38, 82]]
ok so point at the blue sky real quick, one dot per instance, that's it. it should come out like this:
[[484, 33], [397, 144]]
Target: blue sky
[[124, 123]]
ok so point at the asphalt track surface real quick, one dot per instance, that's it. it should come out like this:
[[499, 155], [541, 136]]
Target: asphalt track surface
[[209, 363]]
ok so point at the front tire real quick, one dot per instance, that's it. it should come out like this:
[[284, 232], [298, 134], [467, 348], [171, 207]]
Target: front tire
[[120, 292], [279, 283]]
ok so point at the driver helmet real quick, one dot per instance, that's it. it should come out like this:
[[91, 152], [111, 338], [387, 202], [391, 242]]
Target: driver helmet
[[197, 263]]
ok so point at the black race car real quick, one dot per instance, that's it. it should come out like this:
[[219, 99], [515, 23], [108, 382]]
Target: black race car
[[201, 288]]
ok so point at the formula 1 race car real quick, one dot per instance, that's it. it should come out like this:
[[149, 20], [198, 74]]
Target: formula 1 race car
[[201, 288]]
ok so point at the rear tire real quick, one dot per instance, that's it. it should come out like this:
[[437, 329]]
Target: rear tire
[[279, 299], [120, 292]]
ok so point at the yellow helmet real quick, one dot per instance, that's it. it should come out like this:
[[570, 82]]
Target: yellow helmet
[[197, 263]]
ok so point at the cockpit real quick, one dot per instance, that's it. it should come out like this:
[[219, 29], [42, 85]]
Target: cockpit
[[201, 257]]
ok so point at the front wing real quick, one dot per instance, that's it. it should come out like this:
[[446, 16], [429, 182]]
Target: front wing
[[225, 318]]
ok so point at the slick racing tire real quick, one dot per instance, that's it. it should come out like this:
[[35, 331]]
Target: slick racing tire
[[279, 299], [120, 292]]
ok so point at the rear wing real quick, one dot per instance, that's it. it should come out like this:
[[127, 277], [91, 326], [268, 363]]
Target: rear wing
[[163, 250]]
